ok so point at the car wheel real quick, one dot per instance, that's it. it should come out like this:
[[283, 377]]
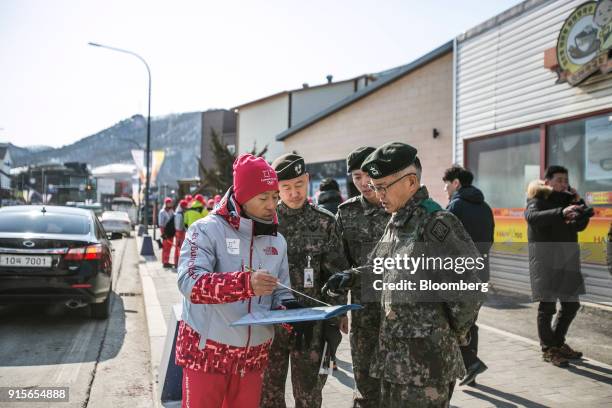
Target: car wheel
[[101, 310]]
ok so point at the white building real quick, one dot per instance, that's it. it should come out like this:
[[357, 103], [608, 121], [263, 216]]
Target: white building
[[517, 112], [259, 121]]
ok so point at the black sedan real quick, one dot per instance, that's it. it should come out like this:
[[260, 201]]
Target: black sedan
[[55, 255]]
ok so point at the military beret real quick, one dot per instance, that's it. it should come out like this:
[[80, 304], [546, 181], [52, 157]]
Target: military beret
[[356, 157], [289, 166], [388, 159]]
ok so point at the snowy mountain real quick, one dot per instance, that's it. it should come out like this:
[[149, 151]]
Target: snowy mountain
[[178, 135]]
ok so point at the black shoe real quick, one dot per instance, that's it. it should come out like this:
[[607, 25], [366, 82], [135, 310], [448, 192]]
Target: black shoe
[[569, 353], [553, 356], [168, 265], [477, 368]]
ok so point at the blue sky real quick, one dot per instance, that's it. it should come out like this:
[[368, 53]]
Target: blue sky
[[203, 54]]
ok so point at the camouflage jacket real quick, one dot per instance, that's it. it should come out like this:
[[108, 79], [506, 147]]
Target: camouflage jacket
[[309, 232], [418, 342], [360, 225]]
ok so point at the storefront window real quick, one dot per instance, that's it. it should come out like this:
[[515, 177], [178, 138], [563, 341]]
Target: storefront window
[[504, 165], [584, 147]]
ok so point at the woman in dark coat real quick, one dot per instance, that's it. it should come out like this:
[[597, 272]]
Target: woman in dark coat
[[554, 219]]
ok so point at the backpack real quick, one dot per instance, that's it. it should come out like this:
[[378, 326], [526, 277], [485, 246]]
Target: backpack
[[169, 228]]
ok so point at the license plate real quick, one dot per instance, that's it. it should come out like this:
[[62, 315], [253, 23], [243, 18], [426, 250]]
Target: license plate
[[26, 261]]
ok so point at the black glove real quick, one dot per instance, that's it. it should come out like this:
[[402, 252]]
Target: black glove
[[338, 283], [301, 331], [291, 304]]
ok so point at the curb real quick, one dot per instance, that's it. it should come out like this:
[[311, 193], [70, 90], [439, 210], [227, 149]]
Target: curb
[[156, 324]]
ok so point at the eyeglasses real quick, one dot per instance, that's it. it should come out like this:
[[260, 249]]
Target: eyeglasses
[[382, 189]]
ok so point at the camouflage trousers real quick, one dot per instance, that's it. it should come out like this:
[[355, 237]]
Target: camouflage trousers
[[407, 395], [305, 379], [367, 389]]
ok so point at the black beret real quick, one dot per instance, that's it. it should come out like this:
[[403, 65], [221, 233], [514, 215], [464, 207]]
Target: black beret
[[329, 184], [289, 166], [356, 157], [388, 159]]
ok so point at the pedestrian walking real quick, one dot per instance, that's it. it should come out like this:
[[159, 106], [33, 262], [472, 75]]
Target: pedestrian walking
[[555, 214], [195, 211], [165, 221], [467, 203]]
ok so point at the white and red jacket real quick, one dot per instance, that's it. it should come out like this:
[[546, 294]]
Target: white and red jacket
[[214, 278]]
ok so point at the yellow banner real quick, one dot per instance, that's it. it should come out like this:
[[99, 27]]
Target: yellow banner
[[511, 232]]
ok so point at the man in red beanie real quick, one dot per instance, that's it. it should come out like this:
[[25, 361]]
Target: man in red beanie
[[230, 265], [210, 204], [165, 218]]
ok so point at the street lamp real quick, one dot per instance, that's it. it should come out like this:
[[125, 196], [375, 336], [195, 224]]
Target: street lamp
[[147, 245]]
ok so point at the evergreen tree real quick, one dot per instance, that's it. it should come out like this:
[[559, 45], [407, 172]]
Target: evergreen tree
[[218, 179]]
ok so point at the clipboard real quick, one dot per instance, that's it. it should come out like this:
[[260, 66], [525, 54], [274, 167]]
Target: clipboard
[[294, 315]]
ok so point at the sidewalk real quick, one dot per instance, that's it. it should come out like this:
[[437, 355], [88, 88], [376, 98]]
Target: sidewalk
[[517, 376]]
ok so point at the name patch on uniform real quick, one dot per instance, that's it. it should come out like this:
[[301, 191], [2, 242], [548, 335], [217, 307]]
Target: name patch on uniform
[[440, 230], [233, 246]]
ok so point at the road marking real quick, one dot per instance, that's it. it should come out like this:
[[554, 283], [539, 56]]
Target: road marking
[[69, 372]]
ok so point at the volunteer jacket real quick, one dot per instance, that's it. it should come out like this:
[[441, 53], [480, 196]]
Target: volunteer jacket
[[179, 224], [164, 217], [195, 212], [214, 278]]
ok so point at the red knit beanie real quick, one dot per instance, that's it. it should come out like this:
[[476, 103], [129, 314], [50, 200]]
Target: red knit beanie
[[252, 176]]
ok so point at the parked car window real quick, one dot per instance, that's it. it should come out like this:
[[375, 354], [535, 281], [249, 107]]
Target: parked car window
[[100, 232], [44, 224]]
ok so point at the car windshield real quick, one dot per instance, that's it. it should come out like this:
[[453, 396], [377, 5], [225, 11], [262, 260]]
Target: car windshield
[[38, 223]]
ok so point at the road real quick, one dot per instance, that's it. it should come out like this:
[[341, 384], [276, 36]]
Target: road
[[104, 363]]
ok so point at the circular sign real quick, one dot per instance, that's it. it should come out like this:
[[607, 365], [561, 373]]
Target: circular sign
[[578, 41]]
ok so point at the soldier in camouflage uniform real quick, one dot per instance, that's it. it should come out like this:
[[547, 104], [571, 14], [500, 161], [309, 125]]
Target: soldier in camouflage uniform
[[314, 253], [360, 223], [417, 357]]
